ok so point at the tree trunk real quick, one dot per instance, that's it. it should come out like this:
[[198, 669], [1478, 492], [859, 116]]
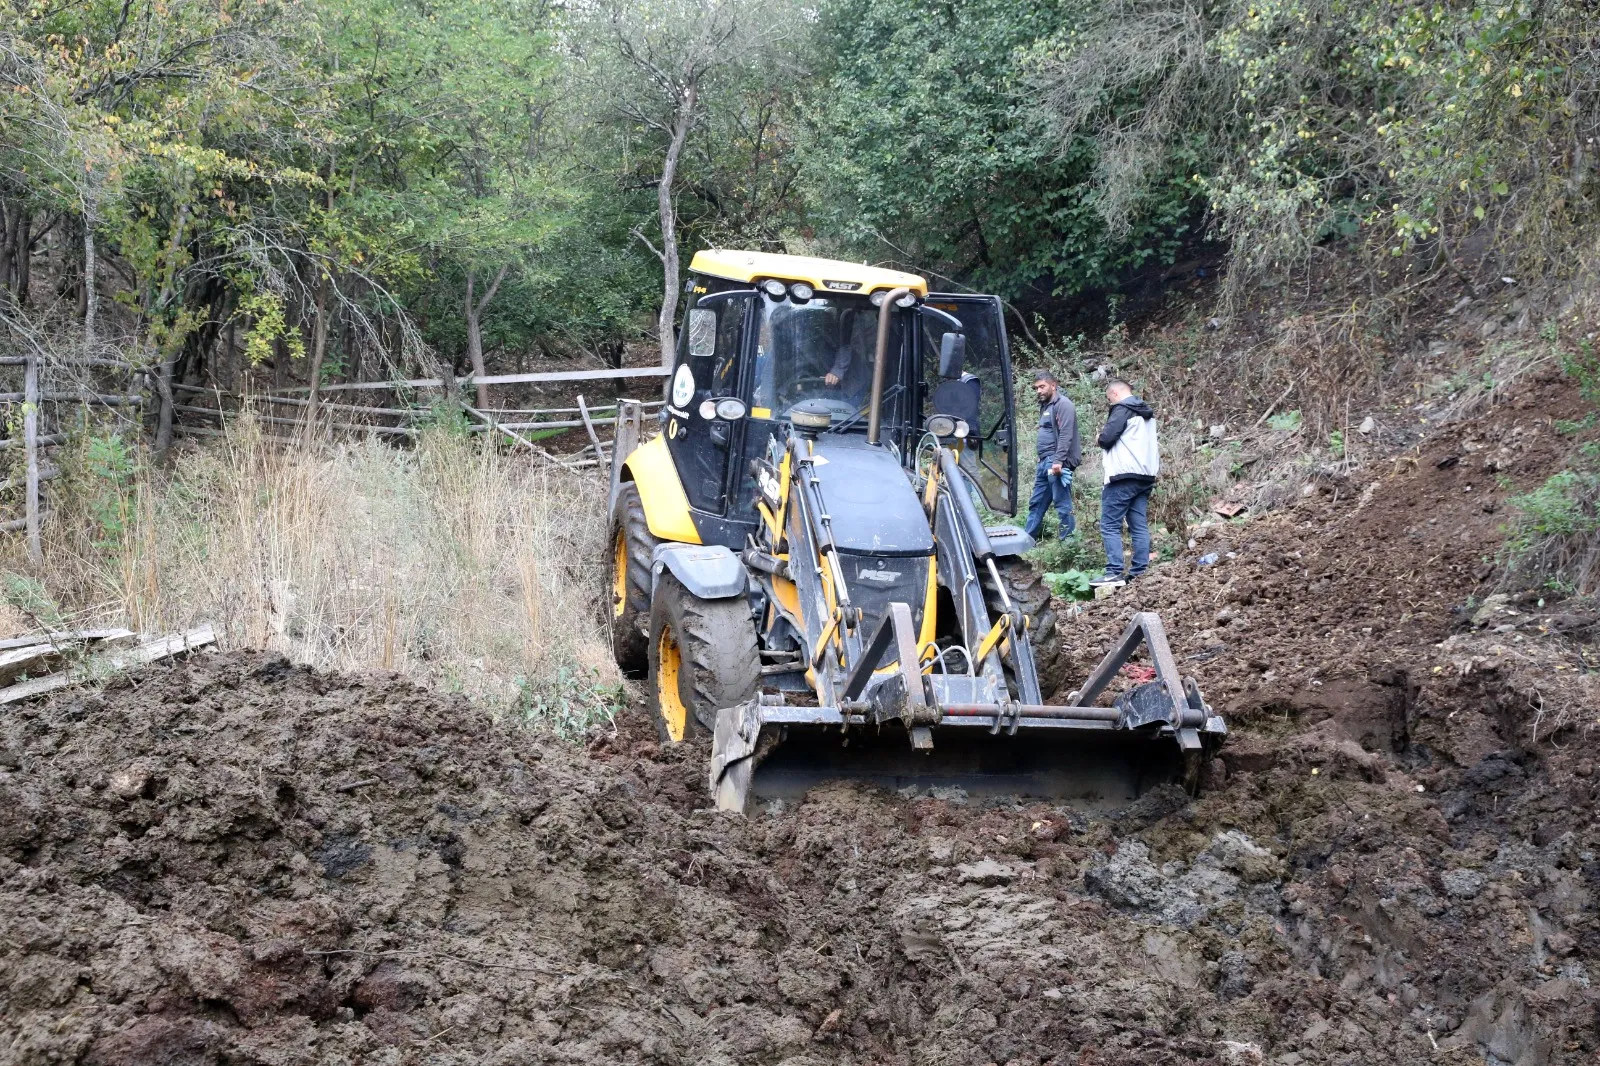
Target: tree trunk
[[8, 269], [355, 346], [91, 297], [30, 440], [319, 336], [170, 359], [319, 345], [475, 309], [164, 414], [669, 225], [7, 216], [23, 251]]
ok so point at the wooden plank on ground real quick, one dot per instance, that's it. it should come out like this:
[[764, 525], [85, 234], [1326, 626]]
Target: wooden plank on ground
[[148, 652], [17, 661], [65, 636]]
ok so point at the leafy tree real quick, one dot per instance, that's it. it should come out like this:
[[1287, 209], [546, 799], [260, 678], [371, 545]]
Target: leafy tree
[[1318, 124], [659, 67], [924, 147]]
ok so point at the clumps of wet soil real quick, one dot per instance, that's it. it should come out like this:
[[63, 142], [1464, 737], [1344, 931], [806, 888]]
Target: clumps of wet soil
[[235, 860]]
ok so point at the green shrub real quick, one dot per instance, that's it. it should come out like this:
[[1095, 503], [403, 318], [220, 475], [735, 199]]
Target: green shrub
[[1070, 584], [1567, 427], [1078, 552], [1554, 536], [567, 701], [1583, 367], [29, 596], [1284, 421]]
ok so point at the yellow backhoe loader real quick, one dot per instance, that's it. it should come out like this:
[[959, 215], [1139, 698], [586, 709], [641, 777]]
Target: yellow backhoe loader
[[799, 562]]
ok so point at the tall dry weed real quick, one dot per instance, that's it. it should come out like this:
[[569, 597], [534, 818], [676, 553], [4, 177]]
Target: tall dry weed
[[454, 564]]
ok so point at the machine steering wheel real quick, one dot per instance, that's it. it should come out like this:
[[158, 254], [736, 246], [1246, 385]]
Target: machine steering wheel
[[836, 405]]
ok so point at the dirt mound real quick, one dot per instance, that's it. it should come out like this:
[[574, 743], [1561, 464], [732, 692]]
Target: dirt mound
[[242, 861], [1416, 747], [234, 860]]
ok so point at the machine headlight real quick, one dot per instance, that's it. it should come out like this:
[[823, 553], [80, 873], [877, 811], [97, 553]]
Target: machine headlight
[[773, 288], [947, 426], [730, 409], [800, 292], [877, 298], [708, 409]]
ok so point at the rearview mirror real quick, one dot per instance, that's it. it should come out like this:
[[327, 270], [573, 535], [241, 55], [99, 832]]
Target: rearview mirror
[[952, 355]]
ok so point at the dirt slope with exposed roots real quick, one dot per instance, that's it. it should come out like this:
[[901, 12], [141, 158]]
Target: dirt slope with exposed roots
[[234, 860]]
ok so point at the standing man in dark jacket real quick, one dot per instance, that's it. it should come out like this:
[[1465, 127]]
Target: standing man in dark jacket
[[1132, 461], [1060, 451]]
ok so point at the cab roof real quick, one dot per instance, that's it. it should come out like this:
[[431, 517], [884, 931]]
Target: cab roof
[[824, 275]]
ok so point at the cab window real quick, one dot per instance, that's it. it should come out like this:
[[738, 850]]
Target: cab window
[[821, 350]]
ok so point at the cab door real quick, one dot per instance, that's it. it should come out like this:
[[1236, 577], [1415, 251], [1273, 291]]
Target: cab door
[[707, 370], [990, 454]]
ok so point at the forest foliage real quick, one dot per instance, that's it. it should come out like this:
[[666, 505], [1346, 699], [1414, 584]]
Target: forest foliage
[[352, 187]]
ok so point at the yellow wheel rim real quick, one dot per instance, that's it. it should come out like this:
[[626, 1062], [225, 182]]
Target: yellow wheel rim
[[619, 573], [674, 714]]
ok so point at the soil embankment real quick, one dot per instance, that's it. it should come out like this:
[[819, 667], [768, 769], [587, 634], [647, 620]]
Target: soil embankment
[[234, 860]]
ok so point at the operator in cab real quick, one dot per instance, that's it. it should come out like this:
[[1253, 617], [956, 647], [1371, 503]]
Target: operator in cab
[[851, 370]]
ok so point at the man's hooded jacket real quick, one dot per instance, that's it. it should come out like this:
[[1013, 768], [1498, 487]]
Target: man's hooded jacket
[[1129, 441]]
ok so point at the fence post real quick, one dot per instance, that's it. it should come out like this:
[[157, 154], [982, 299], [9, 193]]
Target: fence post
[[594, 438], [630, 428], [30, 441]]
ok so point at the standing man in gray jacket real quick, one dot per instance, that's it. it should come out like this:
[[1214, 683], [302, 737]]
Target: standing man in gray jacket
[[1060, 451], [1132, 461]]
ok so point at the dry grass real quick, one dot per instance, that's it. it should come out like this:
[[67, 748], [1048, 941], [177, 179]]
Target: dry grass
[[454, 564]]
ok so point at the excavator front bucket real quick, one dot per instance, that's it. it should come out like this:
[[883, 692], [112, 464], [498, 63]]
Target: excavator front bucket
[[907, 730]]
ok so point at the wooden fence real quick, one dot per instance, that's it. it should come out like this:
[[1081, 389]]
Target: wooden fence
[[43, 426]]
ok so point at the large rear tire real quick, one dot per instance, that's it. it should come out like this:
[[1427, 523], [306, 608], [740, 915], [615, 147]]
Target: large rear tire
[[1032, 597], [631, 547], [703, 657]]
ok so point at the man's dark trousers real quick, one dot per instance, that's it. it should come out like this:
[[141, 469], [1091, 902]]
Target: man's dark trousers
[[1126, 499], [1047, 488]]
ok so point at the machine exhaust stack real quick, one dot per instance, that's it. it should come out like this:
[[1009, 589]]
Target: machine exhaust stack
[[885, 315]]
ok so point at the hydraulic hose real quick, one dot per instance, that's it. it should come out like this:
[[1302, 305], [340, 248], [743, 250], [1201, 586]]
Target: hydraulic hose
[[971, 522]]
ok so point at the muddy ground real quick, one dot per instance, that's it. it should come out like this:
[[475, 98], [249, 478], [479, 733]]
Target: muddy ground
[[233, 860]]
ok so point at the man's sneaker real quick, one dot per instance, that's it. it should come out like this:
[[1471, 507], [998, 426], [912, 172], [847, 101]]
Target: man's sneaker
[[1105, 579]]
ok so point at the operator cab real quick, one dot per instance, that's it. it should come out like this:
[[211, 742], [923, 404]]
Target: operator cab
[[770, 344]]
